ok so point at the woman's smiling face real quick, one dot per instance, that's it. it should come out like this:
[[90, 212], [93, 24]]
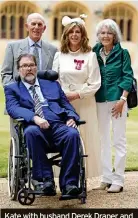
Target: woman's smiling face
[[106, 37], [75, 36]]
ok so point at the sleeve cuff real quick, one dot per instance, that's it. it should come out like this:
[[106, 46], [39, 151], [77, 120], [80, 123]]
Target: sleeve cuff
[[81, 95]]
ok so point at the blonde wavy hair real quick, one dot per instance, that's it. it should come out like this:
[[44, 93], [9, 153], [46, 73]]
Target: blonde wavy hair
[[85, 47]]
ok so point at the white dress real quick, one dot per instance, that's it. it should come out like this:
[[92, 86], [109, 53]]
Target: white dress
[[79, 72]]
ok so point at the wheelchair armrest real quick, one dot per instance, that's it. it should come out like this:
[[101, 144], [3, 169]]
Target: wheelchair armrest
[[19, 119], [80, 122]]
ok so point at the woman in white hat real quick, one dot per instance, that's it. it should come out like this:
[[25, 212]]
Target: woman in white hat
[[79, 76]]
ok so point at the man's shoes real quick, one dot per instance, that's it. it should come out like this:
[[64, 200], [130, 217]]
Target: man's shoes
[[115, 189], [71, 190], [37, 185], [49, 188], [102, 186]]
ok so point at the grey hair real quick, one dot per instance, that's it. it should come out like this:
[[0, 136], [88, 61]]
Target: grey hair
[[112, 26], [35, 15]]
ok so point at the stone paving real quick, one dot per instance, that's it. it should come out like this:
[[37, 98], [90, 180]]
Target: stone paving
[[96, 199]]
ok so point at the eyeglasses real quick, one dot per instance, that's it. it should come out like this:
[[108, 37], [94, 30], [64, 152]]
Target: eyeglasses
[[25, 66]]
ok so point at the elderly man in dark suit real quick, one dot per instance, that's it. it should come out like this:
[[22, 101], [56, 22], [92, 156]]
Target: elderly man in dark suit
[[33, 44], [50, 120]]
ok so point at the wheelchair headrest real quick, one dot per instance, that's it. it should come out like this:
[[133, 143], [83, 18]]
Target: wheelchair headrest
[[43, 74], [47, 74]]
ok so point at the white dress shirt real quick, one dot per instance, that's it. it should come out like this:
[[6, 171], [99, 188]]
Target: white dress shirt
[[37, 88]]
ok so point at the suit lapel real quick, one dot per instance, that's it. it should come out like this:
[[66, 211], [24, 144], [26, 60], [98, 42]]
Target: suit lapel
[[25, 94], [44, 88], [45, 55], [49, 90], [24, 47]]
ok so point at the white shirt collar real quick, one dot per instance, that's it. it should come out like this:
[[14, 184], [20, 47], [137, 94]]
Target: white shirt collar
[[31, 42], [27, 85]]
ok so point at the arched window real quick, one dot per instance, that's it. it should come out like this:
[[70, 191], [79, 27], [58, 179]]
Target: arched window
[[12, 16], [3, 26], [70, 9], [55, 28], [121, 25], [21, 27], [124, 16], [12, 27], [129, 27]]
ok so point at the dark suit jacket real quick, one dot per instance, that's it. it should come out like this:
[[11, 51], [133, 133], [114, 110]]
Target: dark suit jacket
[[15, 49], [19, 103]]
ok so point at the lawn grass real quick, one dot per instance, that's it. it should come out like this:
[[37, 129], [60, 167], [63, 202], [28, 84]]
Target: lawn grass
[[132, 139], [4, 137]]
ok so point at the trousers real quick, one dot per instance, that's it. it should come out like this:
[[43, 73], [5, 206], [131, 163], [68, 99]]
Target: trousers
[[63, 139], [105, 118]]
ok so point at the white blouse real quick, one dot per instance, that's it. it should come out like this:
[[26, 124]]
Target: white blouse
[[78, 72]]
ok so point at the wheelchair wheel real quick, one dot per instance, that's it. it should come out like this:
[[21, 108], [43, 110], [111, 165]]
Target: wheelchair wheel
[[83, 200], [26, 198], [82, 153], [13, 169], [82, 179]]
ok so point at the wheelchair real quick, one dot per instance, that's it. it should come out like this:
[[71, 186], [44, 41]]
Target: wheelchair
[[20, 169], [20, 165]]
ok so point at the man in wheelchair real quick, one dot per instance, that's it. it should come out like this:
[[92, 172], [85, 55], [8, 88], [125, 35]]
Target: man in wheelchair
[[50, 125]]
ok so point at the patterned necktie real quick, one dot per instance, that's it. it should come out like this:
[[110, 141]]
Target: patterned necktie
[[38, 104], [36, 54]]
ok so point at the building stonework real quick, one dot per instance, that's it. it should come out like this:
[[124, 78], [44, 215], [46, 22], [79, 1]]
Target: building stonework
[[13, 16]]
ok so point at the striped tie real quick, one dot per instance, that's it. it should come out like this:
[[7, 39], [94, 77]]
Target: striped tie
[[38, 104], [36, 54]]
